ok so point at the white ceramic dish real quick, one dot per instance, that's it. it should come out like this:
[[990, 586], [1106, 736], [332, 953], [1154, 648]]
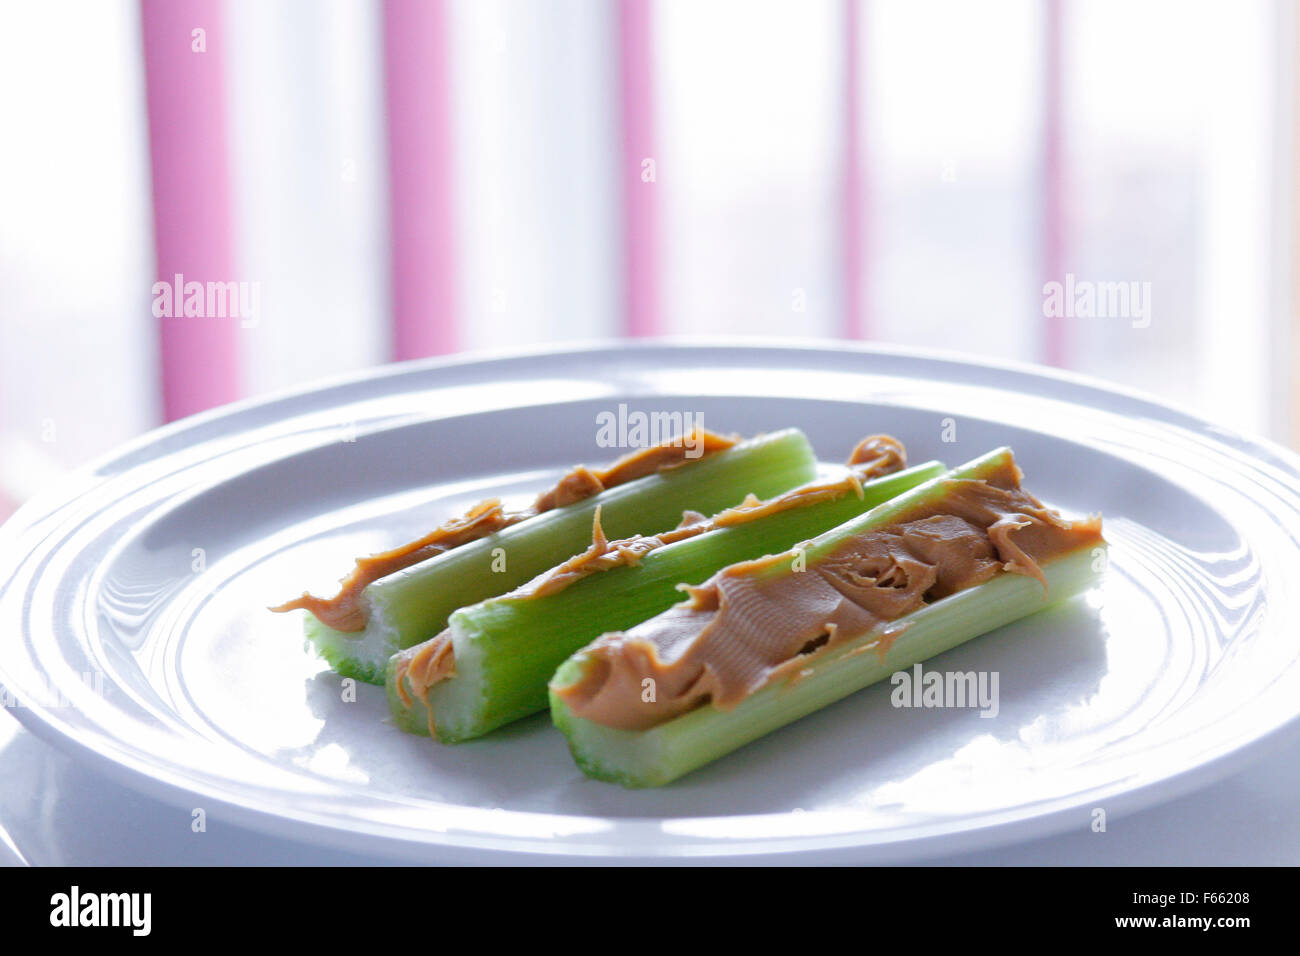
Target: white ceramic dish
[[132, 624]]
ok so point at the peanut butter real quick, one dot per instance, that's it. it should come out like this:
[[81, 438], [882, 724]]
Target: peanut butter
[[755, 622], [422, 666]]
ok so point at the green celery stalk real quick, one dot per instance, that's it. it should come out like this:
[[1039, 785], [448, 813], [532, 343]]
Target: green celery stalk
[[413, 605], [663, 753], [508, 647]]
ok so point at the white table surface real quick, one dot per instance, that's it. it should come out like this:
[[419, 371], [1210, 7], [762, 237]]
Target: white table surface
[[55, 812]]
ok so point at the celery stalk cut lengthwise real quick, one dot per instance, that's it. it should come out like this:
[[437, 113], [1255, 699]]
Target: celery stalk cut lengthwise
[[505, 649], [413, 604], [662, 753]]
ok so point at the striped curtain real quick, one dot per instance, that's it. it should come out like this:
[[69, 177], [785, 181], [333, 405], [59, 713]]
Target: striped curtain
[[202, 200]]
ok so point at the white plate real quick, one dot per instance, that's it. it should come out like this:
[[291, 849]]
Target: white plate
[[132, 625]]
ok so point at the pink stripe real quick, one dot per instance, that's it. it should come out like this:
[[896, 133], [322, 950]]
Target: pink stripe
[[855, 320], [1055, 340], [640, 226], [185, 95], [421, 206]]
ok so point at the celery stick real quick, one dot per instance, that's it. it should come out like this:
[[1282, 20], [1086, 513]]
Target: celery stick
[[651, 758], [660, 754], [413, 605], [506, 648]]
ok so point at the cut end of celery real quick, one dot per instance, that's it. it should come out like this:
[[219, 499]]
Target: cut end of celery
[[361, 655], [633, 759], [458, 702], [463, 708]]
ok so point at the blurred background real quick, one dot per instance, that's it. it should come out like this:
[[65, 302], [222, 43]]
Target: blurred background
[[1104, 186]]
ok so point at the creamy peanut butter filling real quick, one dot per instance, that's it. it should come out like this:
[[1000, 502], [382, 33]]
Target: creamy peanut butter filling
[[755, 622], [348, 611], [423, 666]]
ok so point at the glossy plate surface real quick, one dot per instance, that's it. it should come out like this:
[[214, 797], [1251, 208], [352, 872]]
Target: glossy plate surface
[[133, 629]]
